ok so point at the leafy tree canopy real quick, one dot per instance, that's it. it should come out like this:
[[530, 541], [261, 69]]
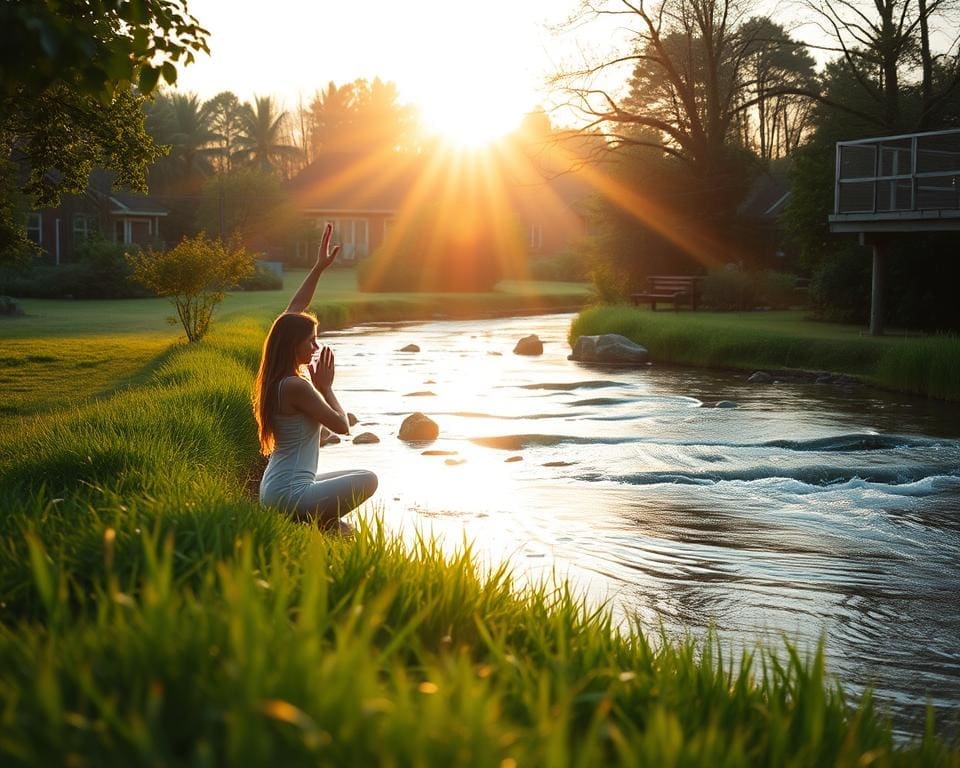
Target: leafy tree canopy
[[98, 46], [73, 76]]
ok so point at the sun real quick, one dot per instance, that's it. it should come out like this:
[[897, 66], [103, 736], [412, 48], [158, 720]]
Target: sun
[[470, 123]]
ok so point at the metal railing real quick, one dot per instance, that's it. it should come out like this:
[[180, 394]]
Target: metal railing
[[898, 174]]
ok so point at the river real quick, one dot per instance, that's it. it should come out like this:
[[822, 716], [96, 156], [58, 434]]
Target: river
[[805, 512]]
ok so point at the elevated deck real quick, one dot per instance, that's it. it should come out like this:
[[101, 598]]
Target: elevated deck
[[908, 183]]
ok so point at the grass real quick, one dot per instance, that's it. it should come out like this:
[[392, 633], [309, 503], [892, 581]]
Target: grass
[[152, 613], [927, 366]]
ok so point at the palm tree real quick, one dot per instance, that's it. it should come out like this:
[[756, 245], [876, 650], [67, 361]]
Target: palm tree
[[261, 135], [181, 122]]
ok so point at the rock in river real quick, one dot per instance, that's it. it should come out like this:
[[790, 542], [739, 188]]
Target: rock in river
[[366, 438], [608, 348], [327, 437], [418, 426], [529, 345], [761, 377], [410, 348], [352, 419]]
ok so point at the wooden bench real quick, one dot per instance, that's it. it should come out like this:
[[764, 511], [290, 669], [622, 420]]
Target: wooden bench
[[677, 289]]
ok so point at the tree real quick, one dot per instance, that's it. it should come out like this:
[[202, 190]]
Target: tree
[[182, 123], [249, 204], [194, 276], [688, 99], [225, 114], [880, 42], [774, 62], [260, 142], [67, 99], [362, 117], [331, 117]]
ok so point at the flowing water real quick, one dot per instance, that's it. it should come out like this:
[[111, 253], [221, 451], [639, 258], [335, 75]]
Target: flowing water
[[805, 512]]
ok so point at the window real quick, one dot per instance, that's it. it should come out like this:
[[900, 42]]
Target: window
[[536, 236], [83, 227], [35, 228]]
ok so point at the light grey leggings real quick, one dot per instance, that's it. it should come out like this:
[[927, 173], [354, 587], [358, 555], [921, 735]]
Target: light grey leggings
[[334, 494]]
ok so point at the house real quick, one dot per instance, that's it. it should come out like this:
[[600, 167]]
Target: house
[[358, 195], [366, 196], [760, 214], [120, 216]]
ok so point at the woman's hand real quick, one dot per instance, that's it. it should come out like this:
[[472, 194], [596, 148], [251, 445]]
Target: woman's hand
[[323, 370], [326, 254]]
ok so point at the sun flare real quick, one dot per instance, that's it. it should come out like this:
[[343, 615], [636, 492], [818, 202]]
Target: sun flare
[[468, 124]]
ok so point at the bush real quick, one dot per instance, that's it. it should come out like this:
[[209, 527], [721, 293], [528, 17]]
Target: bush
[[101, 271], [734, 289], [9, 307], [262, 279], [194, 276], [567, 266]]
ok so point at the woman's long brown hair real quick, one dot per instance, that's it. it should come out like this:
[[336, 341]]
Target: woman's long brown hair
[[277, 361]]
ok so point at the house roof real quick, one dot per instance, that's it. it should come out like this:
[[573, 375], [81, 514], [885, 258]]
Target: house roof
[[767, 197], [123, 202]]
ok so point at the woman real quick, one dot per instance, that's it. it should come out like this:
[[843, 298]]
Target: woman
[[293, 398]]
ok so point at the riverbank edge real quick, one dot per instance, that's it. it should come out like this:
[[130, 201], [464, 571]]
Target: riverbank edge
[[928, 367]]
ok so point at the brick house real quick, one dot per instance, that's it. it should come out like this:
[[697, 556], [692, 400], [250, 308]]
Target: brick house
[[120, 216]]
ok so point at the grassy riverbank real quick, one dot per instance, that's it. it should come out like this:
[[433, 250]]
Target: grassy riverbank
[[152, 613], [928, 366]]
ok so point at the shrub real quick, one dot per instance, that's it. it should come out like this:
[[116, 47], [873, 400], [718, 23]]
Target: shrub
[[567, 266], [9, 307], [194, 276], [262, 279], [734, 289], [101, 271], [726, 288]]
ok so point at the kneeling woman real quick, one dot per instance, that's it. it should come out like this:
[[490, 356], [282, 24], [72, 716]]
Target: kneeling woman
[[293, 398]]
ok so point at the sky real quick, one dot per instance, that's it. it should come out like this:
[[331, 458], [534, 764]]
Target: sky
[[446, 56]]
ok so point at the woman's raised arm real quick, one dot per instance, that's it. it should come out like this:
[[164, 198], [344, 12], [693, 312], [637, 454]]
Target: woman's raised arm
[[325, 256]]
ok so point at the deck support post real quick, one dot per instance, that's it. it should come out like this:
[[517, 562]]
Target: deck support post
[[879, 247]]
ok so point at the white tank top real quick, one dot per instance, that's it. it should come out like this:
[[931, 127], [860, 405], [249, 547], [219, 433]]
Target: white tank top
[[292, 466]]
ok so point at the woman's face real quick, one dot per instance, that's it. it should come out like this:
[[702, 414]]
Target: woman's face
[[305, 349]]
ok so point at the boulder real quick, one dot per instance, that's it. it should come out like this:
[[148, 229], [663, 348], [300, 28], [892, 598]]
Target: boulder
[[410, 348], [761, 377], [608, 348], [529, 345], [418, 426], [327, 437], [366, 438]]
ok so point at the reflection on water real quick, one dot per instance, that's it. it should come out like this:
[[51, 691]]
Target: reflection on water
[[806, 511]]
